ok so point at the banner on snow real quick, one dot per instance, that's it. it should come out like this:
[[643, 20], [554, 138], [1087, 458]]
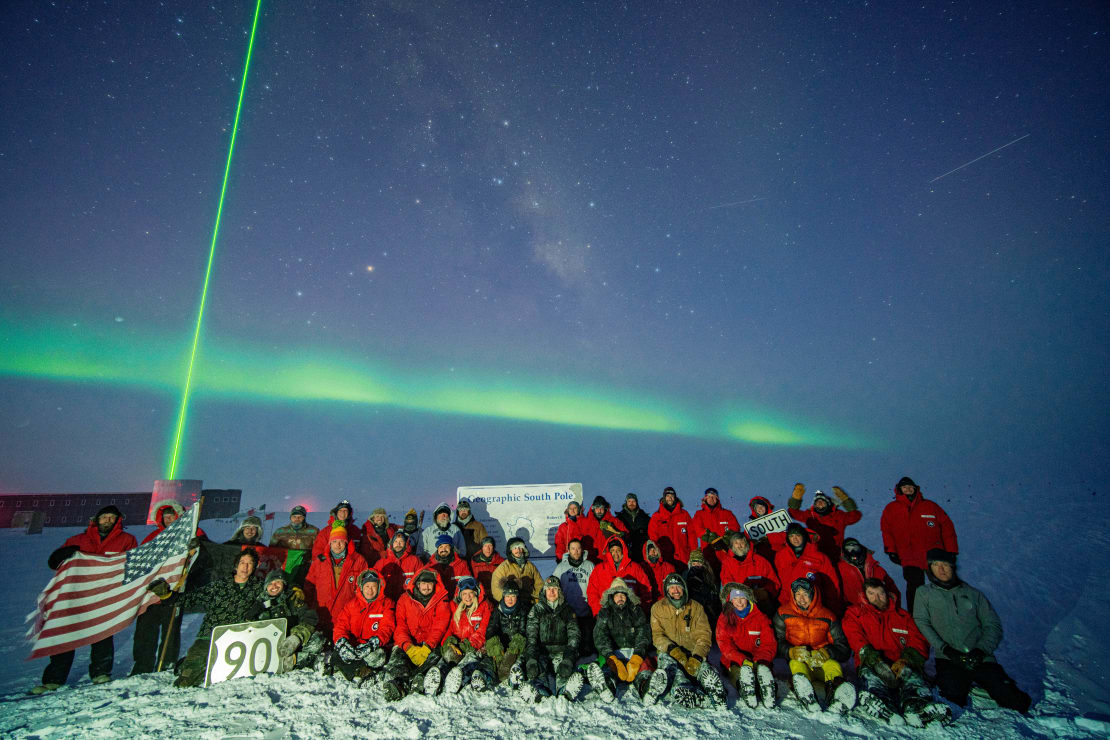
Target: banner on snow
[[531, 512]]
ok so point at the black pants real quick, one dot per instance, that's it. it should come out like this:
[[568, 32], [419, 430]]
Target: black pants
[[955, 681], [151, 628], [100, 662], [915, 578]]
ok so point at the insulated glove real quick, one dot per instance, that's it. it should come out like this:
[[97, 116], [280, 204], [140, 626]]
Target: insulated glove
[[693, 663], [618, 668], [912, 658], [346, 650], [795, 501], [632, 667], [869, 656], [565, 669], [678, 654], [418, 654], [303, 631], [819, 657], [799, 653], [296, 597], [894, 558], [159, 588]]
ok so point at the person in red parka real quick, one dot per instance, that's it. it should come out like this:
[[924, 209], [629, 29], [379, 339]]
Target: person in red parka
[[748, 645], [615, 563], [103, 536], [466, 637], [599, 526], [744, 565], [330, 582], [343, 513], [363, 629], [801, 559], [572, 528], [770, 545], [890, 654], [823, 518], [398, 565], [656, 569], [855, 566], [713, 524], [423, 615], [484, 562], [448, 564], [912, 525], [376, 534], [672, 529]]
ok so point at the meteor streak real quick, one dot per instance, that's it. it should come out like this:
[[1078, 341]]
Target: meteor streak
[[992, 151]]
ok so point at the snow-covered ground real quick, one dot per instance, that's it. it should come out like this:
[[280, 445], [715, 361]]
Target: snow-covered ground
[[1045, 578]]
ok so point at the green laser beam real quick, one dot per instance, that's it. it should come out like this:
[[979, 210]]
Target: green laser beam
[[211, 255], [117, 356]]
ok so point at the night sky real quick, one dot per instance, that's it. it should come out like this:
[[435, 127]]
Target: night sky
[[484, 243]]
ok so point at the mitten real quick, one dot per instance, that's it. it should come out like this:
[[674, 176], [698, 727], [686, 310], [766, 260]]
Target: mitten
[[693, 663], [799, 653], [565, 669], [708, 538], [795, 501], [845, 500], [159, 588], [678, 654], [296, 597], [418, 654], [346, 650], [914, 659], [618, 668], [632, 667], [495, 649], [869, 656], [819, 656], [302, 631], [516, 644], [894, 558], [450, 650]]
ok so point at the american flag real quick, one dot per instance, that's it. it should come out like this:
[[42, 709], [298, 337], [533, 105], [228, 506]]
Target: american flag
[[93, 596]]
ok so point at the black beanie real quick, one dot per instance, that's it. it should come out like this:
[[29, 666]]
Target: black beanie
[[906, 481], [109, 509], [632, 496], [600, 501], [937, 555]]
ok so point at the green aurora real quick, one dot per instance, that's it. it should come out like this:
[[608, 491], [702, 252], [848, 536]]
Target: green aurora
[[234, 370]]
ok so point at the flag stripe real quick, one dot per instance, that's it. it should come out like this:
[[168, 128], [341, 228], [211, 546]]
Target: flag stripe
[[106, 598]]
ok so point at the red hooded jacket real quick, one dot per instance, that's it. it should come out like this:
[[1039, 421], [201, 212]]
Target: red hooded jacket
[[361, 619], [913, 527], [571, 529], [159, 513], [90, 543], [745, 638], [471, 628], [828, 528], [419, 624], [450, 572], [328, 595], [770, 545], [630, 571], [483, 571], [673, 532], [593, 536], [398, 572], [753, 571], [320, 545], [372, 546], [656, 571], [889, 632], [851, 580], [791, 567]]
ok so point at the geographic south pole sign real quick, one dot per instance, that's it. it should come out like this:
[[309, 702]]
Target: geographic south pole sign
[[531, 512]]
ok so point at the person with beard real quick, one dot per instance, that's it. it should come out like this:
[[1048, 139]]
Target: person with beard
[[552, 646], [422, 617], [376, 534], [912, 525], [517, 567], [671, 527], [744, 565], [964, 630], [769, 545], [890, 654], [342, 515], [713, 524], [598, 527], [330, 583], [364, 629], [683, 638], [702, 584], [573, 572], [656, 569], [441, 525], [636, 521], [505, 639], [855, 566], [801, 559], [297, 537], [278, 599], [616, 564], [398, 565], [573, 527], [748, 645], [623, 638], [448, 564], [103, 536], [823, 518], [412, 530], [473, 530], [811, 638], [485, 562]]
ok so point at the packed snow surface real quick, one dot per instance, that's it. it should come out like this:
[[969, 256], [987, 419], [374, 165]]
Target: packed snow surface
[[1044, 578]]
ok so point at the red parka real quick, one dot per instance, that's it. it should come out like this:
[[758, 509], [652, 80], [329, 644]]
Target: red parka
[[851, 580], [656, 571], [673, 532], [328, 594], [483, 569], [791, 567], [770, 545], [361, 619], [571, 529], [717, 520], [320, 545], [890, 631], [629, 570], [745, 638], [450, 572], [90, 543], [419, 623], [398, 572], [828, 528], [471, 627], [753, 571], [593, 536], [912, 527], [161, 526], [372, 546]]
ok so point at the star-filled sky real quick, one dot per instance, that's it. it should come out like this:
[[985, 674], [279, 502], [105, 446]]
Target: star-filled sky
[[729, 244]]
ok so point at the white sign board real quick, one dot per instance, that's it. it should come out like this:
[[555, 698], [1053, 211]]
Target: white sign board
[[776, 521], [531, 512], [245, 649]]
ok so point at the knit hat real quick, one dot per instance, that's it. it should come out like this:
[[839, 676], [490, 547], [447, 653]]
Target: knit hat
[[276, 575], [599, 501], [488, 539], [379, 510], [732, 589], [696, 556], [444, 539], [109, 509], [368, 576], [671, 579], [669, 489], [803, 584], [344, 504], [298, 510], [337, 533], [411, 515], [399, 533], [464, 503], [905, 481], [510, 586], [938, 555], [821, 494], [711, 490], [632, 496], [795, 527], [553, 582], [426, 575]]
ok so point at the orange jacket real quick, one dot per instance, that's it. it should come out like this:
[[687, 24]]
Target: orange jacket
[[815, 628]]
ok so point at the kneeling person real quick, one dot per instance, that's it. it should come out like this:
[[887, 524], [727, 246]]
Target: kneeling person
[[681, 633], [421, 623], [280, 600], [552, 646], [622, 637], [810, 636], [363, 629], [747, 644]]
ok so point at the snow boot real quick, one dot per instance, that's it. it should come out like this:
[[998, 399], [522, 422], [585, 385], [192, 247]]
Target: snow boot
[[376, 658], [288, 645], [574, 684], [102, 678], [479, 681], [288, 663], [873, 706], [843, 696], [44, 689], [454, 680], [767, 686], [687, 695], [529, 693], [743, 677], [710, 681], [515, 675], [656, 687], [432, 679], [391, 690], [803, 690], [919, 712], [313, 648], [601, 683]]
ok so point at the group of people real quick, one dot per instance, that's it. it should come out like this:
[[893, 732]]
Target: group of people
[[635, 600]]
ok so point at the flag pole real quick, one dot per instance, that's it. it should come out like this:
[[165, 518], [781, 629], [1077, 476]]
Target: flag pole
[[167, 629]]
